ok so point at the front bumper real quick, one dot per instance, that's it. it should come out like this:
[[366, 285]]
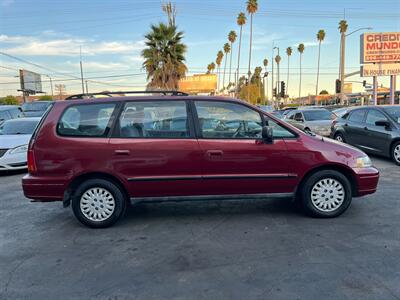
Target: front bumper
[[367, 180], [10, 162], [43, 189]]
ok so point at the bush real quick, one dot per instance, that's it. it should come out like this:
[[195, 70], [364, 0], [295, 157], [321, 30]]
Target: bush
[[9, 100], [45, 98]]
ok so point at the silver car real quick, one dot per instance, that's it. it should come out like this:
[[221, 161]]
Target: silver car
[[315, 120]]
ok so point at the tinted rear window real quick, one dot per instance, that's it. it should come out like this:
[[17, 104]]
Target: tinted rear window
[[357, 116], [35, 106], [317, 115], [89, 120]]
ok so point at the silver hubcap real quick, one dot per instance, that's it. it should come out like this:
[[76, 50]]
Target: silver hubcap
[[396, 153], [339, 138], [97, 204], [327, 195]]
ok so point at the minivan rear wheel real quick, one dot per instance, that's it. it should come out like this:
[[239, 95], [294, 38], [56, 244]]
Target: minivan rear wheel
[[98, 203], [326, 194], [396, 153]]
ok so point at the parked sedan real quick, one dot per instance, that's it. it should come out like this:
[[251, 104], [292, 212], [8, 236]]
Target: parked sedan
[[8, 112], [374, 129], [315, 120], [14, 138], [36, 109]]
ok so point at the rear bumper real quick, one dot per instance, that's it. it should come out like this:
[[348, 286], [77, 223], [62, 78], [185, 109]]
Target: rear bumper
[[43, 189], [367, 181]]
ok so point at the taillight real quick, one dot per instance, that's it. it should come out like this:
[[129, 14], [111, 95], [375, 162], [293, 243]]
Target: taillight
[[31, 162]]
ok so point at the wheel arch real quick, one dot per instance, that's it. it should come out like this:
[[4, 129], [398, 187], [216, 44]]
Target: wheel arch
[[346, 171], [73, 185], [395, 140]]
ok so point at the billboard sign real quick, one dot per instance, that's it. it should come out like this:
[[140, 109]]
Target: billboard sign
[[380, 47], [30, 81], [348, 87], [203, 83], [370, 70]]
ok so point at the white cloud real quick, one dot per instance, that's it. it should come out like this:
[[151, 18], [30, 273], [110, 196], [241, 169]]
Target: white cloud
[[67, 46]]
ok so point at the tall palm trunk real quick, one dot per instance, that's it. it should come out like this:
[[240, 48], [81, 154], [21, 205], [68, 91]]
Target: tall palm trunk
[[300, 78], [288, 72], [251, 42], [319, 55], [230, 64], [238, 65], [223, 81], [219, 78]]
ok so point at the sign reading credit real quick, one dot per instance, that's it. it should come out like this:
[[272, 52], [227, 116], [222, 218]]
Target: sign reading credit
[[380, 47]]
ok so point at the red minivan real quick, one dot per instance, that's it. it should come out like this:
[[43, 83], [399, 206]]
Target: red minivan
[[101, 154]]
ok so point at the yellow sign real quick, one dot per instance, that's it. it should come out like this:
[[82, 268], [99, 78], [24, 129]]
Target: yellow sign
[[202, 83], [348, 88]]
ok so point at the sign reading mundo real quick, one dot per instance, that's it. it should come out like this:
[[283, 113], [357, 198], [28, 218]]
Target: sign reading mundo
[[202, 83], [380, 47]]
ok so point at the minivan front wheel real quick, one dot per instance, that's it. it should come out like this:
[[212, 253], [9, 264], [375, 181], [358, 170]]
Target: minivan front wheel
[[326, 194], [98, 203]]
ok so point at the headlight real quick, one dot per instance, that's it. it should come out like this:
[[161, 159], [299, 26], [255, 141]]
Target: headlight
[[19, 149], [363, 162]]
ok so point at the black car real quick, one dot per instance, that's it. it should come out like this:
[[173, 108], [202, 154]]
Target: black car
[[35, 109], [374, 129], [8, 112]]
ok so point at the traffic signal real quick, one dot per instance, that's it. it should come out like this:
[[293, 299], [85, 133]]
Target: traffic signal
[[338, 83], [283, 88], [274, 92]]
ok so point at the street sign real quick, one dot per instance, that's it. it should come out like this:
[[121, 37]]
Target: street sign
[[389, 69], [380, 47]]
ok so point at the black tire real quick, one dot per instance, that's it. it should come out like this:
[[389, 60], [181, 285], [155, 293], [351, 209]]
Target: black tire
[[343, 191], [395, 158], [340, 137], [115, 199]]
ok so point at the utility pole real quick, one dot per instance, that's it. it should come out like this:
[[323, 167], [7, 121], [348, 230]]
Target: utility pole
[[51, 85], [87, 90], [80, 55], [342, 62], [278, 87]]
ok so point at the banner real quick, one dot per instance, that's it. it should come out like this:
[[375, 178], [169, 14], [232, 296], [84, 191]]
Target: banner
[[380, 47]]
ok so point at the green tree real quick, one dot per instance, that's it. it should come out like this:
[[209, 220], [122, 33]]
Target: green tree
[[227, 49], [320, 38], [300, 48], [9, 100], [241, 21], [164, 57], [324, 92], [220, 57], [45, 98], [231, 38], [252, 7], [288, 53]]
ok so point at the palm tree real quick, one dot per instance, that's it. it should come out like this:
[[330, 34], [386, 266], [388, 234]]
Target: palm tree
[[212, 67], [320, 38], [288, 53], [227, 49], [232, 38], [209, 69], [300, 48], [220, 56], [252, 7], [265, 63], [164, 57], [241, 21]]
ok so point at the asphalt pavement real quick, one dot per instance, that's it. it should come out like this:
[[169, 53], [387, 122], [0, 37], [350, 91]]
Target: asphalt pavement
[[203, 250]]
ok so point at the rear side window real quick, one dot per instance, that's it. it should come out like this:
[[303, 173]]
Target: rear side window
[[357, 116], [155, 119], [88, 120]]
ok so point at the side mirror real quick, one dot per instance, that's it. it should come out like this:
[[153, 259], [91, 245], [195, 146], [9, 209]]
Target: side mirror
[[384, 123], [267, 134]]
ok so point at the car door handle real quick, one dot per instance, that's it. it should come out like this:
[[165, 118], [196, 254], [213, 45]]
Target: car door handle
[[122, 152], [215, 153], [365, 128], [346, 125]]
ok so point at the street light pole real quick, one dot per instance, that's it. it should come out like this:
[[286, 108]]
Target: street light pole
[[51, 85], [343, 58]]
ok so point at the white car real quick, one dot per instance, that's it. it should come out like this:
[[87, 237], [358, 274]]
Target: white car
[[14, 138]]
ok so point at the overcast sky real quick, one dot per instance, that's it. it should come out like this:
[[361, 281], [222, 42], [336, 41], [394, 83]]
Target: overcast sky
[[49, 34]]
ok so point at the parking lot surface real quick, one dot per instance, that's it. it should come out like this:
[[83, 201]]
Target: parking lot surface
[[203, 250]]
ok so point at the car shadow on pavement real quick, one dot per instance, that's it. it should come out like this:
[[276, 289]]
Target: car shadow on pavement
[[12, 172], [211, 208]]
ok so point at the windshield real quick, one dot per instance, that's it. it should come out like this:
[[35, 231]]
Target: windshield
[[35, 106], [394, 113], [317, 115], [18, 127]]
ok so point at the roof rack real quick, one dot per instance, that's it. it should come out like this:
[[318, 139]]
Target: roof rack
[[123, 93]]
